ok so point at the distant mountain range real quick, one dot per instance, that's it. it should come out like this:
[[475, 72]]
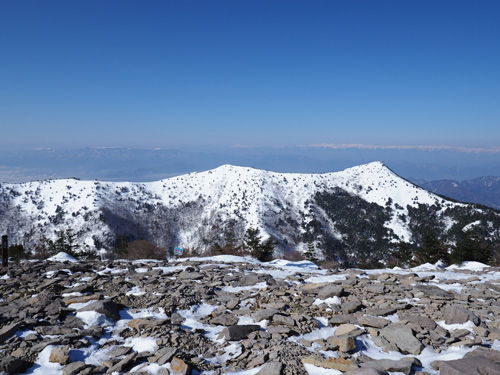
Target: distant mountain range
[[355, 216], [482, 190], [129, 164]]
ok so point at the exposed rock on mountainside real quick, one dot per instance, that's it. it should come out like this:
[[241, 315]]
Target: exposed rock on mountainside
[[141, 317], [354, 216]]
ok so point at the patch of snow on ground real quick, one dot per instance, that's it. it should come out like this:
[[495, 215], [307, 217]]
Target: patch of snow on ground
[[315, 370], [62, 257], [236, 289], [453, 327], [455, 287], [329, 301], [42, 365], [326, 278], [222, 259], [142, 344], [197, 312], [91, 318], [469, 266], [245, 372], [427, 356], [24, 333], [135, 291]]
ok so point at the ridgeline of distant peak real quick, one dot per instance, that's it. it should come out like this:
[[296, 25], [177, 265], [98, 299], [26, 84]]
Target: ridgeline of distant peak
[[482, 190], [350, 216]]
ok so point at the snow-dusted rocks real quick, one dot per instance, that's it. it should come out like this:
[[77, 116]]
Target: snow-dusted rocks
[[240, 316]]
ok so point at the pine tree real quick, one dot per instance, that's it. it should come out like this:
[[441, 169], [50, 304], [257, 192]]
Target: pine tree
[[431, 249], [471, 247], [310, 254], [263, 251]]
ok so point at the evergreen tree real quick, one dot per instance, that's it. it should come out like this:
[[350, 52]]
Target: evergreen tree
[[431, 249], [402, 254], [263, 251], [252, 240], [266, 249], [310, 254], [471, 246]]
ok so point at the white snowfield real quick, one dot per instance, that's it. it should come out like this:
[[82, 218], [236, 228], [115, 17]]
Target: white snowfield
[[280, 269], [229, 192]]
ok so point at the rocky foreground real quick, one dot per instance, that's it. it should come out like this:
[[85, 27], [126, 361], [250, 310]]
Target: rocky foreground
[[231, 315]]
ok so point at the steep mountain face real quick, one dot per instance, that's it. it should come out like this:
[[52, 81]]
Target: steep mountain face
[[352, 216], [482, 190]]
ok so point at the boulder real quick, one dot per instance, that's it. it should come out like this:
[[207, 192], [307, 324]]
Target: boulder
[[373, 321], [272, 368], [402, 337], [403, 365], [330, 291], [458, 315], [238, 332], [11, 365], [60, 355], [468, 366], [106, 307], [8, 330], [179, 367], [74, 368]]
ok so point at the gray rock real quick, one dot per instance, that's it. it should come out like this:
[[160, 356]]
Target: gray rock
[[179, 367], [74, 368], [165, 355], [376, 288], [372, 321], [54, 330], [330, 291], [264, 314], [106, 307], [60, 355], [342, 319], [402, 337], [365, 371], [272, 368], [119, 351], [249, 279], [422, 321], [186, 275], [13, 365], [283, 320], [458, 315], [123, 364], [351, 306], [238, 332], [435, 292], [468, 366], [389, 365], [225, 320], [8, 330]]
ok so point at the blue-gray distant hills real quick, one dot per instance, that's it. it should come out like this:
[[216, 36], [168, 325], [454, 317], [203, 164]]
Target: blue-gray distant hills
[[482, 190]]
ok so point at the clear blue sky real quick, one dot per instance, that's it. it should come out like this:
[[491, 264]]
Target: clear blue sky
[[256, 73]]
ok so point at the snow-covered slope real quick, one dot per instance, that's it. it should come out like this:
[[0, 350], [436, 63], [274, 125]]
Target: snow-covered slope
[[199, 209]]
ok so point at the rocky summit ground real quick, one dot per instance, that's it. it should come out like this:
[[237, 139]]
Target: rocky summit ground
[[231, 315]]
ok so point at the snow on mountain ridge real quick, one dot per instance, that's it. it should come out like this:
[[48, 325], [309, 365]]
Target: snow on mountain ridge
[[245, 194]]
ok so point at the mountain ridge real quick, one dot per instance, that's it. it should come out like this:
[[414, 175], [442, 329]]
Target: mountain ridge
[[201, 209]]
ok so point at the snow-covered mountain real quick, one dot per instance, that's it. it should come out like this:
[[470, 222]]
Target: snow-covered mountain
[[356, 213]]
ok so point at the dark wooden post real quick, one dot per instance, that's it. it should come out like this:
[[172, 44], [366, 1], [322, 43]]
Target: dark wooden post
[[5, 251]]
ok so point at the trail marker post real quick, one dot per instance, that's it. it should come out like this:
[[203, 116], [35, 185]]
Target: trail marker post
[[5, 251]]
